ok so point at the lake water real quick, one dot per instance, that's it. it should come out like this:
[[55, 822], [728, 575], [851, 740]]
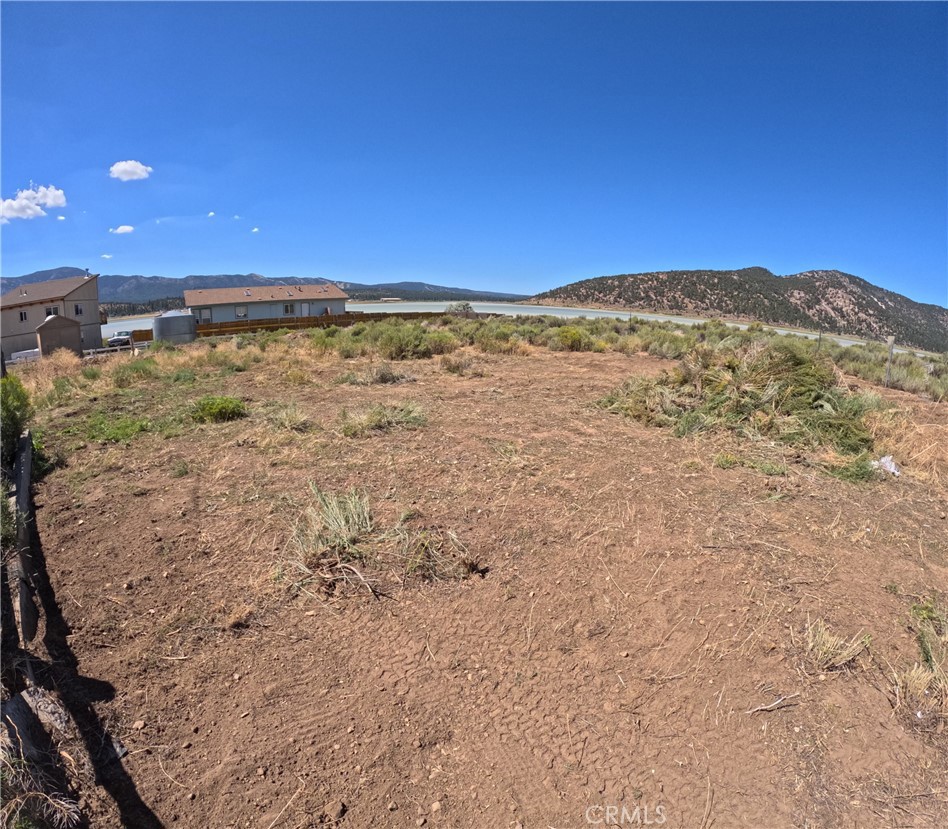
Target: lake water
[[507, 308]]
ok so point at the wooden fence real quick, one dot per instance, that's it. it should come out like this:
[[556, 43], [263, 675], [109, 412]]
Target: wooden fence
[[216, 329]]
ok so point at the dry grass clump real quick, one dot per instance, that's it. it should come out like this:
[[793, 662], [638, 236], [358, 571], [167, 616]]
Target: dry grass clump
[[917, 444], [382, 418], [381, 374], [290, 418], [925, 686], [333, 523], [461, 364], [432, 554], [756, 390], [28, 799], [336, 535], [42, 376], [830, 652]]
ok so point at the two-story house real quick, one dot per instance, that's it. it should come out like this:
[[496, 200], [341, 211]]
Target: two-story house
[[23, 308]]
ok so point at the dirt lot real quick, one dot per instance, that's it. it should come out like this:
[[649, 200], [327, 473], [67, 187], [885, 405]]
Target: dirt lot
[[634, 603]]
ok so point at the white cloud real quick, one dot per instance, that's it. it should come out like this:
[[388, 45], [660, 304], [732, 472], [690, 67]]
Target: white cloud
[[129, 170], [29, 204], [121, 229], [209, 215], [106, 255], [236, 216], [255, 230], [61, 218]]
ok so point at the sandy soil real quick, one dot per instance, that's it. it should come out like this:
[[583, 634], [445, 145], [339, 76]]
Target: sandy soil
[[637, 603]]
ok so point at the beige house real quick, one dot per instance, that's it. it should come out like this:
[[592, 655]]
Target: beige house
[[24, 308]]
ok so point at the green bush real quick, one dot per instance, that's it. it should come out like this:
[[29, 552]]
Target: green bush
[[7, 527], [213, 409], [571, 338], [107, 428], [441, 342], [402, 341], [15, 414], [459, 308]]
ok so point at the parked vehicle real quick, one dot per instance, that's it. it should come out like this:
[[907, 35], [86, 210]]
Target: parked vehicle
[[120, 338]]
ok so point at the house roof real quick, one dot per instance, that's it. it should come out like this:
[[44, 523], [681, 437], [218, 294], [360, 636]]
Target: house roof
[[43, 291], [57, 321], [276, 293]]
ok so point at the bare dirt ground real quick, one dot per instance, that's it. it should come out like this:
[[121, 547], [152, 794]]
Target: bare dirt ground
[[637, 603]]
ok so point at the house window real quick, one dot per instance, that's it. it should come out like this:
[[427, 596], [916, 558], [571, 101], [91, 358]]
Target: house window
[[203, 315], [289, 309], [240, 311], [52, 311], [78, 308], [22, 316]]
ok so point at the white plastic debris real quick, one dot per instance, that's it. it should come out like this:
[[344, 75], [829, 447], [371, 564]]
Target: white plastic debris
[[888, 465]]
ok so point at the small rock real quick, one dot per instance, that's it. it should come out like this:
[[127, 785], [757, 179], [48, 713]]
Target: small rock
[[261, 770], [436, 806], [421, 821], [334, 810], [191, 796], [624, 654], [127, 586], [393, 806], [138, 725], [186, 745]]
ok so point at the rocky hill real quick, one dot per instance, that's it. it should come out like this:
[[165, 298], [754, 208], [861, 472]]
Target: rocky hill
[[114, 288], [833, 301]]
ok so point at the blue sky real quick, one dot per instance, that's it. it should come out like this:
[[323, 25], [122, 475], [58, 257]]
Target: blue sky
[[497, 146]]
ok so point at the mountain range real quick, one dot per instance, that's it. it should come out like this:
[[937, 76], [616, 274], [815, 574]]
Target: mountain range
[[827, 300], [114, 288]]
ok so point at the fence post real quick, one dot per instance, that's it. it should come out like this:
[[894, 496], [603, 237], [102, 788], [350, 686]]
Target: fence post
[[888, 365]]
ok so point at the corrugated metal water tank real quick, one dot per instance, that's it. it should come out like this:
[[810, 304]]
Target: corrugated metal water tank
[[175, 327]]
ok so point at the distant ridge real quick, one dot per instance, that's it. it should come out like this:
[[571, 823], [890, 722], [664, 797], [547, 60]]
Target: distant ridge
[[830, 300], [142, 289]]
